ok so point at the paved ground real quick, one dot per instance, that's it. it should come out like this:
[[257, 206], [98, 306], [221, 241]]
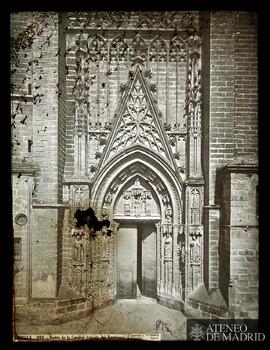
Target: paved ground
[[143, 316]]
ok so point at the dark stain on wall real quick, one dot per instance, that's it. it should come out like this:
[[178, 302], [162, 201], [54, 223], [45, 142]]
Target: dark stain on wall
[[88, 217]]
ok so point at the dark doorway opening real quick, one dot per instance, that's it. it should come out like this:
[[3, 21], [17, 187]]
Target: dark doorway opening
[[137, 260], [147, 260]]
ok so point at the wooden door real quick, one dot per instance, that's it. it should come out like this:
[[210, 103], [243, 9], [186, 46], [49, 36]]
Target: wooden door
[[147, 260], [127, 261]]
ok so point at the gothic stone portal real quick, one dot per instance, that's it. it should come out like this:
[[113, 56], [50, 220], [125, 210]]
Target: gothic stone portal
[[138, 181]]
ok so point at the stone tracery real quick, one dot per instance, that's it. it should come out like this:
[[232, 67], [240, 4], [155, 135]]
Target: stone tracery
[[137, 124]]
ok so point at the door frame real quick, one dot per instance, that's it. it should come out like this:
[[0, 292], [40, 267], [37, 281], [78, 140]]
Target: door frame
[[137, 221], [140, 263]]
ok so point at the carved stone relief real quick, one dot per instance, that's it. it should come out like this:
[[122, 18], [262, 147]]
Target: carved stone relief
[[168, 213], [137, 201], [193, 106], [78, 278], [168, 260], [176, 20], [78, 249], [168, 246], [181, 257], [195, 236], [108, 199], [90, 261], [127, 203], [194, 194], [195, 257], [79, 197], [137, 124], [110, 195], [138, 48], [194, 86], [195, 206], [100, 260], [99, 59], [158, 50]]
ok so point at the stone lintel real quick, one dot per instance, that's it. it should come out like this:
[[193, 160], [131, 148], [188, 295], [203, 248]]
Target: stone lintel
[[77, 181], [194, 181], [24, 98], [239, 168], [212, 207], [23, 169], [50, 205]]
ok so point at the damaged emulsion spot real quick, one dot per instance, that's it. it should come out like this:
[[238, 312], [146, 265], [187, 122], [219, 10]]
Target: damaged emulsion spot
[[30, 142], [88, 217], [24, 119]]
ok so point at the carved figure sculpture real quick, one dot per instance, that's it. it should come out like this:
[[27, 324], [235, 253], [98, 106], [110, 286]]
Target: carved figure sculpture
[[168, 246], [108, 199], [168, 213], [78, 249], [127, 197]]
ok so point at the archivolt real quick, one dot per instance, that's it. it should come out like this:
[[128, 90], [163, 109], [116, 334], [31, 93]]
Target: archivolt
[[138, 160]]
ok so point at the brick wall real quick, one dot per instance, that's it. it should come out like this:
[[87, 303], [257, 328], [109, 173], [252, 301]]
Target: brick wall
[[21, 84], [64, 270], [61, 103], [44, 253], [21, 146], [218, 118], [229, 96], [244, 245], [70, 108], [22, 132], [45, 111], [221, 94], [51, 312], [38, 113], [21, 186], [35, 104], [72, 309], [21, 70], [233, 91], [246, 89], [239, 241]]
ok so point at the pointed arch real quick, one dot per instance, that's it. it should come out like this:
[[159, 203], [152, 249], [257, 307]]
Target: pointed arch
[[157, 49], [97, 48], [138, 47], [118, 49], [178, 50], [138, 160], [138, 122]]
